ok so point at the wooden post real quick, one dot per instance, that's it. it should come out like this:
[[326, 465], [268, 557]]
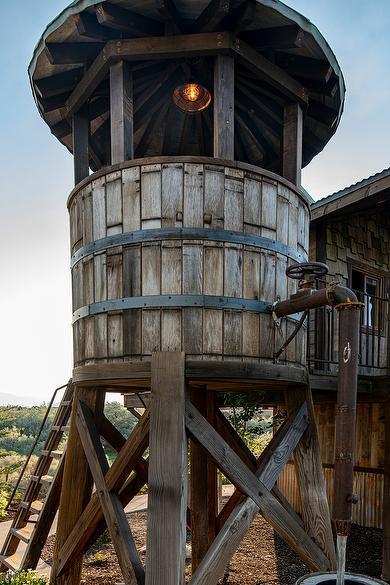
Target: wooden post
[[167, 502], [292, 143], [121, 112], [310, 476], [76, 486], [224, 107], [386, 500], [203, 484], [80, 145]]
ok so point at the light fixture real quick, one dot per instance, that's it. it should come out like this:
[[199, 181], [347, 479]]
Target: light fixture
[[191, 97]]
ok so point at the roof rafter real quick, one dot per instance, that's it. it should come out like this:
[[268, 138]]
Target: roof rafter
[[211, 16], [202, 44], [169, 12], [121, 19]]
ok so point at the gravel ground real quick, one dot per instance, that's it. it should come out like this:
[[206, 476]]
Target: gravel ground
[[262, 559]]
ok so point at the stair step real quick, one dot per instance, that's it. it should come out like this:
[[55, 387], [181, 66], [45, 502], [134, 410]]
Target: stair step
[[12, 562], [66, 403], [54, 454], [46, 479], [22, 533], [35, 507], [64, 429]]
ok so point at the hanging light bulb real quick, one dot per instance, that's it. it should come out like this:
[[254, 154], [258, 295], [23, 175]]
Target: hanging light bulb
[[191, 97]]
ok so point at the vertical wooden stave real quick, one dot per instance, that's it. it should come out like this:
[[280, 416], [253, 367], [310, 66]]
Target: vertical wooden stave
[[248, 206]]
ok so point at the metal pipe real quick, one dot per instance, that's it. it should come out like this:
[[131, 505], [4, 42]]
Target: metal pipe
[[346, 303], [349, 323], [332, 295]]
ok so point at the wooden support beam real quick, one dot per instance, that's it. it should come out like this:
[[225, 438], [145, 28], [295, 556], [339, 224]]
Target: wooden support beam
[[386, 499], [310, 477], [278, 37], [239, 522], [77, 487], [199, 501], [167, 501], [126, 461], [119, 18], [242, 16], [121, 110], [270, 72], [292, 143], [60, 83], [81, 145], [122, 538], [70, 53], [305, 67], [322, 113], [145, 48], [168, 10], [88, 26], [211, 16], [224, 107]]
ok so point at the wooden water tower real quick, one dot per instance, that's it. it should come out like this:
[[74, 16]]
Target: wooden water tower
[[196, 117]]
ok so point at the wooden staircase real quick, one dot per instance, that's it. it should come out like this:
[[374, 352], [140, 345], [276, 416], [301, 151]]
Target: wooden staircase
[[35, 514]]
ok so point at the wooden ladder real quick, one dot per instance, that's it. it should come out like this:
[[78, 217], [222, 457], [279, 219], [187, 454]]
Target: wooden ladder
[[35, 514]]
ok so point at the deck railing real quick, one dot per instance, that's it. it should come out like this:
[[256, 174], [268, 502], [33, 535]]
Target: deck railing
[[373, 342]]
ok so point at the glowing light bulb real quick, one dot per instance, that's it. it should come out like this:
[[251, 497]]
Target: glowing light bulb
[[191, 97]]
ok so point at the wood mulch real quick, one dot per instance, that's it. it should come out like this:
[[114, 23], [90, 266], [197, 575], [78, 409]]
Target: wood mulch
[[262, 559]]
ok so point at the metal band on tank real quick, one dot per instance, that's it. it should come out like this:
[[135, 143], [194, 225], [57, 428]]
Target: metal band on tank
[[186, 234], [175, 301]]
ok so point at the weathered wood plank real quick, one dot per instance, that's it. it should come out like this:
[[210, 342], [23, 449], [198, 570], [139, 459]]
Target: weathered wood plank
[[80, 145], [224, 107], [259, 498], [310, 477], [167, 502], [92, 514], [131, 199], [121, 112], [77, 488], [292, 143], [122, 538], [386, 499]]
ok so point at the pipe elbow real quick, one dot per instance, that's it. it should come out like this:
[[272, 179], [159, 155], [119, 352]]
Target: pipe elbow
[[341, 295]]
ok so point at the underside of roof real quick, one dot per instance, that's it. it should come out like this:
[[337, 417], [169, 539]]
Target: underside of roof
[[287, 40]]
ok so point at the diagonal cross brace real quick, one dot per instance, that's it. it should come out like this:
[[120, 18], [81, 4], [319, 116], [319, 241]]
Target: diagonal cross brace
[[129, 459], [122, 538], [259, 498]]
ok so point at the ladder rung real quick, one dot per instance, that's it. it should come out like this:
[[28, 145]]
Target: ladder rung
[[53, 454], [35, 507], [44, 479], [22, 533], [65, 403], [64, 429], [12, 562]]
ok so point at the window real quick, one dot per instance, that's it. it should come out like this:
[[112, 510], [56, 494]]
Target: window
[[368, 288]]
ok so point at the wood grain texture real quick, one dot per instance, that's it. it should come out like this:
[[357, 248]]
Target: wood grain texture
[[176, 193], [167, 501], [259, 497], [386, 500], [77, 488], [91, 515], [224, 107], [122, 538], [121, 112], [310, 477]]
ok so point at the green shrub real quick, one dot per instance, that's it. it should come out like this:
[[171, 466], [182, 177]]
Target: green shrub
[[22, 578]]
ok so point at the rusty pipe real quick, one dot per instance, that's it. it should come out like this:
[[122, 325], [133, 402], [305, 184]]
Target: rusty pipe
[[332, 295], [343, 497], [346, 303]]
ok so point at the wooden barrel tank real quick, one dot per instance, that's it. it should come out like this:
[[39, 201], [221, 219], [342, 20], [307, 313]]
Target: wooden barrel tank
[[184, 254]]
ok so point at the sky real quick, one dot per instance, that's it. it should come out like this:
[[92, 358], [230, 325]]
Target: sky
[[36, 177]]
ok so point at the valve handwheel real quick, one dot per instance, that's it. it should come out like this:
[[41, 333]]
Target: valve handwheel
[[304, 269]]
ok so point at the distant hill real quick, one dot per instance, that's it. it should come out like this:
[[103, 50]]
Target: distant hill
[[14, 400]]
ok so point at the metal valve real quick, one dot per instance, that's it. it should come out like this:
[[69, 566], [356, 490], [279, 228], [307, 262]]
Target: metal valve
[[307, 273]]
